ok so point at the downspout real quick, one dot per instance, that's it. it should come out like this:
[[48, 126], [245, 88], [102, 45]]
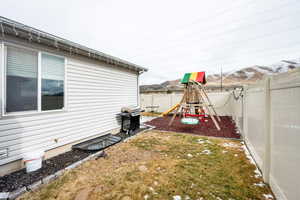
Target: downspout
[[138, 88], [2, 78]]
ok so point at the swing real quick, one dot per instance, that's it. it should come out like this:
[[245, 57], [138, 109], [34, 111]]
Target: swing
[[193, 119], [190, 120]]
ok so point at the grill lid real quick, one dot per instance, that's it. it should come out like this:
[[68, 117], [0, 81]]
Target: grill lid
[[131, 109]]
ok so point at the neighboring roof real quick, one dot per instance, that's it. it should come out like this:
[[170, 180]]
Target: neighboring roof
[[13, 28]]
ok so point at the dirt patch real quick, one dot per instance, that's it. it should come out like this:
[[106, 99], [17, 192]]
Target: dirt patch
[[83, 194], [227, 125], [140, 169]]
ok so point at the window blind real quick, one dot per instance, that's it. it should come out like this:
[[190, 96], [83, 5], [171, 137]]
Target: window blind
[[21, 79], [22, 63], [52, 67]]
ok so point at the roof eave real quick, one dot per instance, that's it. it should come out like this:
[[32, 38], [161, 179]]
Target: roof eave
[[16, 29]]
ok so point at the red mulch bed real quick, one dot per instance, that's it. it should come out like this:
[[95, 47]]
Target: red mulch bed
[[227, 125]]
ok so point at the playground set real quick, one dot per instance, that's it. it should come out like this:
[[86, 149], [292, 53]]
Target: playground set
[[195, 106]]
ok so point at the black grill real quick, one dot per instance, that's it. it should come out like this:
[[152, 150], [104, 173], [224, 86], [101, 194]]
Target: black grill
[[130, 119]]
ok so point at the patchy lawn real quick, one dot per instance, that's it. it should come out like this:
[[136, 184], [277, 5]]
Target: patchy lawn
[[163, 165]]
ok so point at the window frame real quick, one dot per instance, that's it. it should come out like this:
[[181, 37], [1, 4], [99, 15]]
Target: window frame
[[39, 78]]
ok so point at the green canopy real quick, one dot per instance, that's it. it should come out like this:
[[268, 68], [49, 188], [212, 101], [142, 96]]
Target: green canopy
[[186, 78]]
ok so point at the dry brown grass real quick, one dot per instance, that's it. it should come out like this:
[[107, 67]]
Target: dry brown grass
[[161, 165], [151, 114]]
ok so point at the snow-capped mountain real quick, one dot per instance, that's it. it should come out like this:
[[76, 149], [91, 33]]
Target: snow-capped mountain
[[254, 73], [241, 76]]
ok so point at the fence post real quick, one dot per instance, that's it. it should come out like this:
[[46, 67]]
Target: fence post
[[152, 99], [267, 130], [171, 99], [244, 114]]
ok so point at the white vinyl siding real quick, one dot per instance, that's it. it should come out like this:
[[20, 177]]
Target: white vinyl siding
[[96, 93]]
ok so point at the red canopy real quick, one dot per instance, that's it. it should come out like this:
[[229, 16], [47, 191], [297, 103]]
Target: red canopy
[[201, 77]]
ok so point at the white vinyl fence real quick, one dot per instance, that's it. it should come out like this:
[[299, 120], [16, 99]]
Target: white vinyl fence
[[161, 102], [268, 116], [272, 131]]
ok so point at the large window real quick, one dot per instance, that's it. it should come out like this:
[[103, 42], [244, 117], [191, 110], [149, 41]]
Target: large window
[[33, 85]]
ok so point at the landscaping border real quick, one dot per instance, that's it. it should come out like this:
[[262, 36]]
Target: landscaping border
[[16, 193]]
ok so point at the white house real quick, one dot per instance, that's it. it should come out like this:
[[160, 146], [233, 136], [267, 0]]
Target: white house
[[55, 93]]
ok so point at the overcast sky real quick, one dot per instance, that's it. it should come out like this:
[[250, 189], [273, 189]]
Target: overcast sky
[[172, 37]]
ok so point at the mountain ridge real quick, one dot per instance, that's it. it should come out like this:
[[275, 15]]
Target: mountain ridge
[[247, 75]]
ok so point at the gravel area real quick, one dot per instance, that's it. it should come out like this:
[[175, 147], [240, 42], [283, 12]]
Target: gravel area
[[20, 178], [227, 125]]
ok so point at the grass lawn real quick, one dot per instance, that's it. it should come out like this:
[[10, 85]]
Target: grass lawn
[[163, 165]]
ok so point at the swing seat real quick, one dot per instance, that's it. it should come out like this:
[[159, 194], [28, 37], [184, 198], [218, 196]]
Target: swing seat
[[189, 120]]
